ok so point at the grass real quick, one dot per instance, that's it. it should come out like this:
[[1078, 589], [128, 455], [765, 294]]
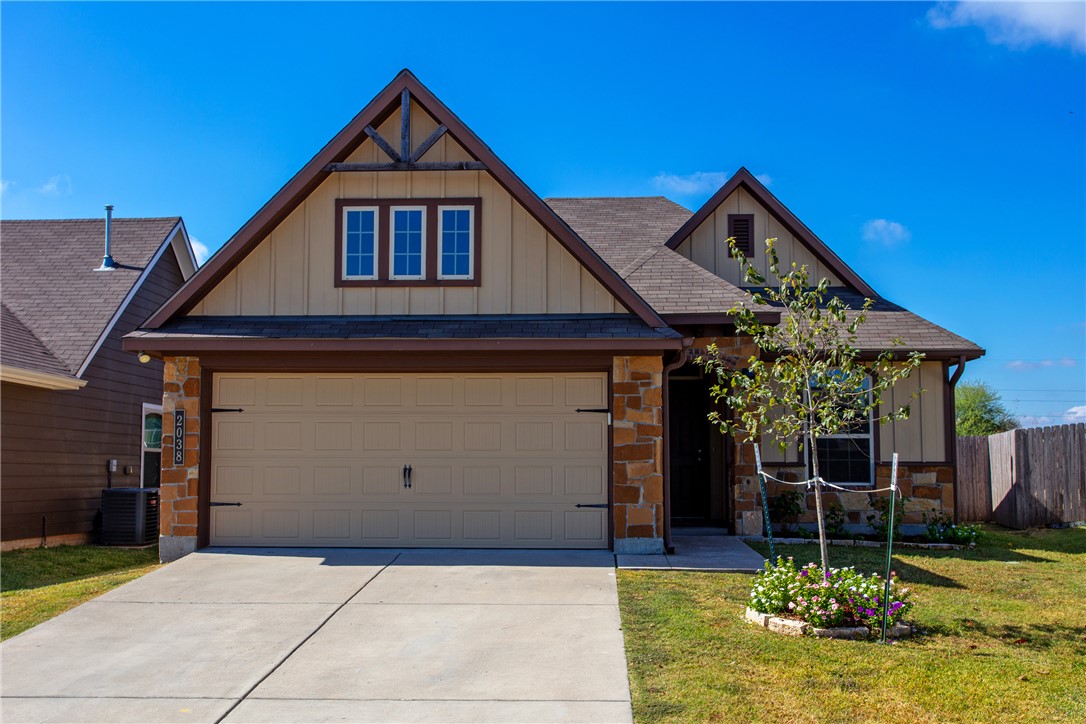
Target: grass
[[37, 584], [1004, 639]]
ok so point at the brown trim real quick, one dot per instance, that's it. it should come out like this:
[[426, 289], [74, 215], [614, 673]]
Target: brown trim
[[291, 195], [950, 423], [383, 257], [748, 246], [611, 455], [717, 318], [407, 362], [203, 489], [665, 464], [191, 345], [780, 212]]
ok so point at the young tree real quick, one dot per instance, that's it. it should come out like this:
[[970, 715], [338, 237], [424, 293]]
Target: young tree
[[979, 411], [809, 379]]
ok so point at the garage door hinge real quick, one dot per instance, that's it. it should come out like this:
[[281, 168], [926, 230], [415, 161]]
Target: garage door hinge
[[593, 505], [596, 409]]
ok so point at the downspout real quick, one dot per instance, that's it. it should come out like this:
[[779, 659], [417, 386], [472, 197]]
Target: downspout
[[681, 358], [951, 433]]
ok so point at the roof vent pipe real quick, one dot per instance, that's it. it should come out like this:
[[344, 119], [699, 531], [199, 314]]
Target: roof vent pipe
[[107, 260]]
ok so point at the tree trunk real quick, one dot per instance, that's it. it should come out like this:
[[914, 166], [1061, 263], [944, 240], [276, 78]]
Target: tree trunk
[[818, 507]]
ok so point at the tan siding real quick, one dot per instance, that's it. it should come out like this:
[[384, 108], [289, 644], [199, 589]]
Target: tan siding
[[921, 438], [705, 245], [523, 269]]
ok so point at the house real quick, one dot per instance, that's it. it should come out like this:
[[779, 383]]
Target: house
[[72, 401], [406, 346]]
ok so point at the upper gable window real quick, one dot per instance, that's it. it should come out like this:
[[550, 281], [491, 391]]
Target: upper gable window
[[359, 242], [408, 233], [741, 228], [407, 242], [456, 233]]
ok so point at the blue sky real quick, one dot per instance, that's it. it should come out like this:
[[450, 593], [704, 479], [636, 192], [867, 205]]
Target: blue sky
[[940, 149]]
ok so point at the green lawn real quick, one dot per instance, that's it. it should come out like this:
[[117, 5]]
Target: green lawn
[[37, 584], [1004, 640]]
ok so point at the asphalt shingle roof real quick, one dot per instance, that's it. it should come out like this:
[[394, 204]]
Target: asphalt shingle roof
[[49, 287], [486, 326]]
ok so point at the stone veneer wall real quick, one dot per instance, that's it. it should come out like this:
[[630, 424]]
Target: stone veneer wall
[[179, 485], [638, 430], [929, 488]]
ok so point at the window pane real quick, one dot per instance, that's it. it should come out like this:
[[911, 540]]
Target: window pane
[[152, 431], [456, 242], [407, 243], [152, 468], [845, 459]]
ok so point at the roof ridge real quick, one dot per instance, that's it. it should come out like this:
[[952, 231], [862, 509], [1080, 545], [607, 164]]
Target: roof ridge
[[94, 218]]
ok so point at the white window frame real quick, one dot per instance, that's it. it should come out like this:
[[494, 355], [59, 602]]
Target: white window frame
[[376, 243], [441, 239], [148, 408], [392, 243], [870, 435]]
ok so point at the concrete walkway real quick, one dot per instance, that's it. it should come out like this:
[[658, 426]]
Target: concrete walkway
[[699, 552], [276, 635]]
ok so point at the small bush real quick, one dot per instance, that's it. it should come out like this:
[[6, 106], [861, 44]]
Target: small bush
[[835, 522], [943, 529], [784, 509], [878, 519], [844, 597]]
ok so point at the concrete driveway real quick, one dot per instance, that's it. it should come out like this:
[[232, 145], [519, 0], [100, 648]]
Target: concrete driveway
[[279, 635]]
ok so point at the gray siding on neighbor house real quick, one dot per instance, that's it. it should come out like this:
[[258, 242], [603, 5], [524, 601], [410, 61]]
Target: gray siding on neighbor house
[[54, 444]]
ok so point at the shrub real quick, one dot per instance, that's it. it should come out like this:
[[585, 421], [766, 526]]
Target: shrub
[[943, 529], [835, 521], [784, 508], [878, 520], [844, 597]]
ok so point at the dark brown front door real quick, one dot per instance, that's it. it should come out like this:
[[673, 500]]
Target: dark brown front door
[[691, 500]]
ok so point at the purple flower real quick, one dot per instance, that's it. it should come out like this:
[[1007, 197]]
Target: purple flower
[[803, 573]]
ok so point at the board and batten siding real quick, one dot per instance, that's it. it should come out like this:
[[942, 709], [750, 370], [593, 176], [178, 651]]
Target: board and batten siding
[[706, 246], [524, 270], [920, 438], [54, 444]]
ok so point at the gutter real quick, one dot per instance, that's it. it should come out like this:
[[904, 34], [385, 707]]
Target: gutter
[[951, 433], [681, 357]]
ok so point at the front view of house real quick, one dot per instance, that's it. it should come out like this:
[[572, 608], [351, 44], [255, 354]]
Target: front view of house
[[406, 347]]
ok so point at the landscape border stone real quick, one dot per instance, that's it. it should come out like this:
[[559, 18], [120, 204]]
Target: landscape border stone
[[792, 627], [859, 543]]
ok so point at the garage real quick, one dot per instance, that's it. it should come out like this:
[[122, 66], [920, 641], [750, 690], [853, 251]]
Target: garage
[[475, 460]]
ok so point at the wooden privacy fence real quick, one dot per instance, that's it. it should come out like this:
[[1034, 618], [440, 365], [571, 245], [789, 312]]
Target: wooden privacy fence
[[1024, 478]]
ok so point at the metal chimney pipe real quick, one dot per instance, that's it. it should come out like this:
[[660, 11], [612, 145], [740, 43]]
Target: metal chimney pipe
[[107, 260]]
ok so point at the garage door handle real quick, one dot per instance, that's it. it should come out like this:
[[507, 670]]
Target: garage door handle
[[593, 505], [602, 410], [407, 476], [216, 505]]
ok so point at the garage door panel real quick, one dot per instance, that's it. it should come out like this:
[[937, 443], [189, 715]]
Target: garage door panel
[[496, 460]]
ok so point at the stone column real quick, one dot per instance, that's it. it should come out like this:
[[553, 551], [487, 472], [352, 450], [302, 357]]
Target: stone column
[[179, 487], [638, 437]]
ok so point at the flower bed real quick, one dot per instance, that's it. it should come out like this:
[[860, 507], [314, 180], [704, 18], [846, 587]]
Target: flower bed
[[843, 598]]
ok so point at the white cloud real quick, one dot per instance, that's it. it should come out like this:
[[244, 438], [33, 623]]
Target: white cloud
[[199, 250], [57, 186], [765, 178], [5, 185], [885, 232], [1075, 414], [1018, 25], [1022, 365], [699, 182]]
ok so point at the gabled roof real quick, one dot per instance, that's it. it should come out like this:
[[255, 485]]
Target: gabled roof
[[57, 309], [630, 233], [745, 179], [339, 149]]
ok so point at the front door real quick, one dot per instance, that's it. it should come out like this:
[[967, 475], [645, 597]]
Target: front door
[[691, 498]]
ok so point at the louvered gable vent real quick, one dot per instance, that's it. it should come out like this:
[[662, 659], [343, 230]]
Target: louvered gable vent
[[741, 228]]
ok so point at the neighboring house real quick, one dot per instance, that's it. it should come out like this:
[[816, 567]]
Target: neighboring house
[[407, 347], [71, 400]]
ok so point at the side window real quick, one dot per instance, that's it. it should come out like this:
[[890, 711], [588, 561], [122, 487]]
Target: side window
[[151, 446], [456, 235], [360, 243]]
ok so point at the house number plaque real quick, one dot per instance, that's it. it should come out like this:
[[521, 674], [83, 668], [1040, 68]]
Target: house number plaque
[[179, 437]]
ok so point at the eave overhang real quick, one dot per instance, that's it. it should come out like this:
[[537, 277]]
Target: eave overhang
[[42, 380]]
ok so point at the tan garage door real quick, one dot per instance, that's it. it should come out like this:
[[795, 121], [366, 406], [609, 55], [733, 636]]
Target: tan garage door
[[455, 460]]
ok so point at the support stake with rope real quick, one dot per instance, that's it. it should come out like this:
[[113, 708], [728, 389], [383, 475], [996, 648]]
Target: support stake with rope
[[889, 547], [765, 504]]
